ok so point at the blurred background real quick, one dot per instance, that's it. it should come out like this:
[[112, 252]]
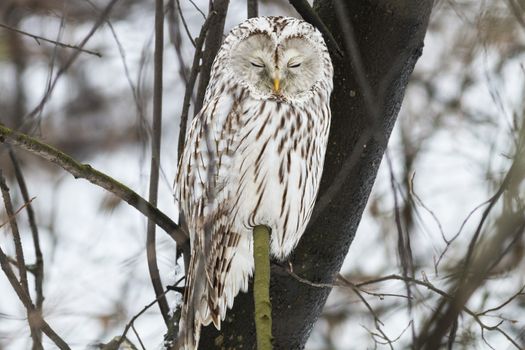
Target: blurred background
[[453, 143]]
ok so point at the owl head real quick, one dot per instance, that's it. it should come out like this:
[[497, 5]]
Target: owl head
[[281, 58]]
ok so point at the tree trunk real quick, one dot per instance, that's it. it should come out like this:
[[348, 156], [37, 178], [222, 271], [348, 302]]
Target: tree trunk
[[389, 36]]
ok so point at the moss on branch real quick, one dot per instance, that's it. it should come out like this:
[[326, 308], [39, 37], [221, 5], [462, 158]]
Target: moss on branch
[[85, 171], [261, 287]]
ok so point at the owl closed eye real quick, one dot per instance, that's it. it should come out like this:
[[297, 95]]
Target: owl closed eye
[[279, 67]]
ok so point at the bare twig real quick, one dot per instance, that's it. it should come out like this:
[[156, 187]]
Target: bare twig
[[36, 323], [492, 202], [197, 8], [472, 276], [445, 295], [94, 176], [138, 337], [505, 303], [20, 260], [183, 19], [24, 298], [151, 250], [73, 57], [176, 39], [39, 264], [212, 45], [341, 281], [38, 270], [134, 318], [309, 15], [22, 207], [191, 84], [39, 38], [127, 74]]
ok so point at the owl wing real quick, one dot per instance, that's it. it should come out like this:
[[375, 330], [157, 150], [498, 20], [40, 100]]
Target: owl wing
[[204, 171]]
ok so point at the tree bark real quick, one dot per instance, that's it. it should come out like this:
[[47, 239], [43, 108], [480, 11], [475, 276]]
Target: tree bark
[[389, 36]]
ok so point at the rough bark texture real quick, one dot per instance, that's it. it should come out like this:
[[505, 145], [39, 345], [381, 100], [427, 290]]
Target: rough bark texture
[[389, 34]]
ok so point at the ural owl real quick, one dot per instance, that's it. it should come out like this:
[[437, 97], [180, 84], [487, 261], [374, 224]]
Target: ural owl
[[254, 156]]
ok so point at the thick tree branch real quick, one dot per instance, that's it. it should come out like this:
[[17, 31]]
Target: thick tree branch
[[85, 171]]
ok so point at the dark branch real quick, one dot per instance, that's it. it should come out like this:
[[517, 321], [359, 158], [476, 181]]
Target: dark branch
[[191, 84], [212, 45], [252, 8], [151, 249], [38, 270], [36, 322], [309, 15]]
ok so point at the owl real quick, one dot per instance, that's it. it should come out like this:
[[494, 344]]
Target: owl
[[253, 156]]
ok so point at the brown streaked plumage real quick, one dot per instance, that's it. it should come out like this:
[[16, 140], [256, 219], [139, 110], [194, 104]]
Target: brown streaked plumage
[[254, 156]]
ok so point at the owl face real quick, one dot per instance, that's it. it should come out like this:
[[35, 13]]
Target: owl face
[[273, 66]]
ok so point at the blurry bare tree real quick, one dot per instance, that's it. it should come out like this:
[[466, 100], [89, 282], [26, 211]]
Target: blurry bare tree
[[438, 259]]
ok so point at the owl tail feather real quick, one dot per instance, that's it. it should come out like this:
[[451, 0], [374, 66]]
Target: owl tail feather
[[195, 294], [211, 288]]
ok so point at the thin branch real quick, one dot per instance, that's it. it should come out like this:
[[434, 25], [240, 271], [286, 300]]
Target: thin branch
[[191, 84], [505, 303], [20, 260], [176, 39], [38, 269], [444, 294], [39, 263], [309, 15], [11, 218], [212, 45], [127, 74], [134, 318], [185, 24], [73, 57], [197, 8], [138, 337], [33, 317], [151, 251], [39, 38], [492, 202], [85, 171], [341, 281]]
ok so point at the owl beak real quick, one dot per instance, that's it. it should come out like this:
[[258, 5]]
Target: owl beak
[[276, 84], [276, 81]]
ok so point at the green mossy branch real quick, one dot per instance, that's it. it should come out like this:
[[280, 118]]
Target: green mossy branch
[[85, 171], [261, 287]]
